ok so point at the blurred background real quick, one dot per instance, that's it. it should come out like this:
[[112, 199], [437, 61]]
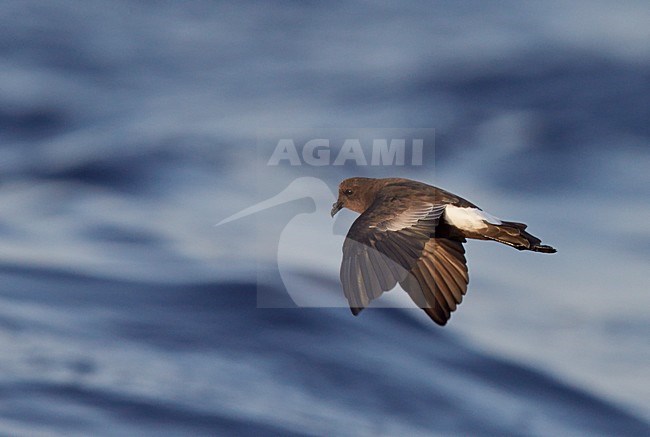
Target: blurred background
[[128, 129]]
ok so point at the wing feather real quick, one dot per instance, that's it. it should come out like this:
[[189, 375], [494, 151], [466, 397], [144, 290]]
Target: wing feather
[[440, 277], [383, 245], [394, 242], [423, 298]]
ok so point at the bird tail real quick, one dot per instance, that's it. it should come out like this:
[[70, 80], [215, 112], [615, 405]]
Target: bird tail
[[514, 234]]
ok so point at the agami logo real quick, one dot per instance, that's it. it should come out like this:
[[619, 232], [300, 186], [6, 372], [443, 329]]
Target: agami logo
[[322, 151]]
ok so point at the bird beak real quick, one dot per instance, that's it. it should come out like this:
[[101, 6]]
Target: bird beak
[[336, 208]]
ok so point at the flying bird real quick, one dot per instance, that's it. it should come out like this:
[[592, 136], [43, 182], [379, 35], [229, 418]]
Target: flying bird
[[412, 233]]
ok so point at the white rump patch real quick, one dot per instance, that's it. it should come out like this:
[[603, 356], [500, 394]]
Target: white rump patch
[[469, 219]]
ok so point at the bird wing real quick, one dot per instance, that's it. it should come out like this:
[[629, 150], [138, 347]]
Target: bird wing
[[438, 281], [383, 245]]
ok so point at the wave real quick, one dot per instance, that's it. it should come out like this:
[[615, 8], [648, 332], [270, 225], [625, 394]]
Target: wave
[[201, 357]]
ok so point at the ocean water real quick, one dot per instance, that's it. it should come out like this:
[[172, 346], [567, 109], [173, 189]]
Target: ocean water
[[128, 129]]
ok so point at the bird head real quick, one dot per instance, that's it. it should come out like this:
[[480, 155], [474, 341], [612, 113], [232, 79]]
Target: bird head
[[356, 194]]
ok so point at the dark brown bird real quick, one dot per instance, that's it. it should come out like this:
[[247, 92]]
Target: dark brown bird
[[412, 233]]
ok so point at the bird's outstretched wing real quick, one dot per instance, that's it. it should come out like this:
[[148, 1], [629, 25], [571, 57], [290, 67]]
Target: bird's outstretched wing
[[383, 245], [438, 282], [394, 241]]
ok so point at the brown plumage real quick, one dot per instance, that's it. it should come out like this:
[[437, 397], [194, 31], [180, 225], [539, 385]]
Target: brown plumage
[[412, 233]]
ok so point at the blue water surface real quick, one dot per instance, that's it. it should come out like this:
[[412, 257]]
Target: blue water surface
[[129, 128]]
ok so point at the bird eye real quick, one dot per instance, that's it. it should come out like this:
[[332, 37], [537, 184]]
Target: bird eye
[[347, 192]]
